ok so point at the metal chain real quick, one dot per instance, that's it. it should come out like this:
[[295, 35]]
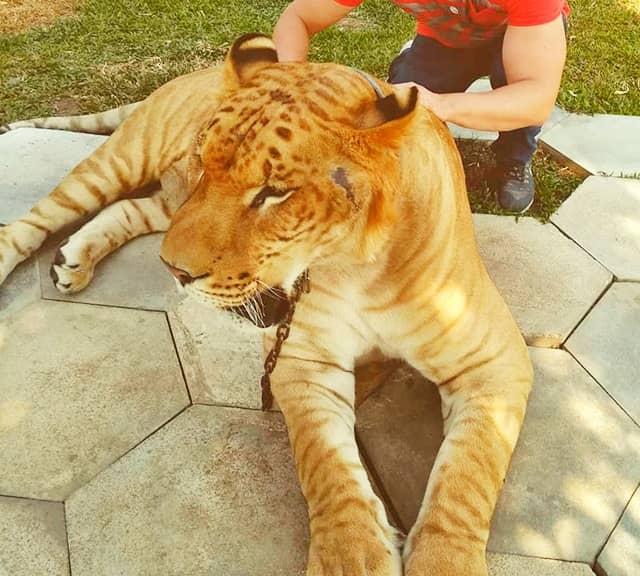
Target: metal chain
[[302, 285]]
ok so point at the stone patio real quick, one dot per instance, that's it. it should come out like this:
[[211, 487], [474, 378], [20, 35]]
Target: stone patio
[[132, 445]]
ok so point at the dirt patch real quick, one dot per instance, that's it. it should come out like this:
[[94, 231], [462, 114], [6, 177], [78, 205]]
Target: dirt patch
[[20, 15], [352, 22], [66, 106]]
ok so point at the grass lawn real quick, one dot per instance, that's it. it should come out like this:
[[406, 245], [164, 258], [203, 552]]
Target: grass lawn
[[602, 74], [113, 52]]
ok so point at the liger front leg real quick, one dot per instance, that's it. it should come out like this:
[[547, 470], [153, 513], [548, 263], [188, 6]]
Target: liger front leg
[[483, 411], [117, 167], [350, 534], [76, 259]]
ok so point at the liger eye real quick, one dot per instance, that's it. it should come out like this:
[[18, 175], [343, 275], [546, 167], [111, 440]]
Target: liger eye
[[270, 193]]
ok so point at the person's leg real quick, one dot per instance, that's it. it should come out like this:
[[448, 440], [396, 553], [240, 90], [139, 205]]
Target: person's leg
[[445, 70], [437, 67], [514, 146], [515, 187]]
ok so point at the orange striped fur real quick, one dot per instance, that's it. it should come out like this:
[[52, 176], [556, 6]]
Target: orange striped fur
[[102, 123], [278, 168]]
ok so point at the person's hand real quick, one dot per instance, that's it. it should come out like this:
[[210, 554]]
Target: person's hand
[[431, 100]]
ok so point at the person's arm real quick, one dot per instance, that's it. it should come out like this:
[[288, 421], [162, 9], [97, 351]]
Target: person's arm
[[533, 59], [302, 19]]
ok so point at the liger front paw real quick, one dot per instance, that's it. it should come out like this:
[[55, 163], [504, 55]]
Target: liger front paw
[[447, 560], [70, 274], [356, 552]]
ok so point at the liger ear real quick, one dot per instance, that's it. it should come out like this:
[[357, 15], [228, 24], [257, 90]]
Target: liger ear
[[385, 120], [248, 55]]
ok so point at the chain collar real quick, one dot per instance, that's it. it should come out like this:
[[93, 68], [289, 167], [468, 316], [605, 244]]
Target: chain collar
[[301, 286]]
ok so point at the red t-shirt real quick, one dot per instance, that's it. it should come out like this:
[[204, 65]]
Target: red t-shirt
[[463, 23]]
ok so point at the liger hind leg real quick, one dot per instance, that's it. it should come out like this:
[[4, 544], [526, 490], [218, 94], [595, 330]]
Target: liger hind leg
[[76, 259], [350, 534], [483, 411]]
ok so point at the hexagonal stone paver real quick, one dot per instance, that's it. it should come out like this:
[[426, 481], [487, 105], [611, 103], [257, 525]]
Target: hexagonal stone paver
[[507, 565], [32, 163], [133, 277], [621, 555], [33, 538], [607, 345], [79, 386], [221, 355], [603, 216], [22, 287], [548, 282], [213, 492], [400, 428], [600, 144], [576, 465]]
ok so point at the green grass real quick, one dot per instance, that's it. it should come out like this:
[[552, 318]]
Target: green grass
[[602, 74], [117, 51]]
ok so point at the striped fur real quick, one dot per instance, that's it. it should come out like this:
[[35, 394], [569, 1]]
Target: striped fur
[[102, 123], [299, 166]]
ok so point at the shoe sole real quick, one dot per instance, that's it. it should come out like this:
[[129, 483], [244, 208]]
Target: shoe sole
[[514, 212]]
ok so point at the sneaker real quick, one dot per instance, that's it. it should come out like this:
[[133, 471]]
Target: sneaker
[[515, 188]]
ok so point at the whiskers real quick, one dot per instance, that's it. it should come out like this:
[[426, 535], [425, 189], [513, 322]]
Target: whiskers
[[266, 289], [250, 306], [254, 305]]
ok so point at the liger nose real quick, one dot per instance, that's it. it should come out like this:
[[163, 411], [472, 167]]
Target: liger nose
[[183, 277]]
